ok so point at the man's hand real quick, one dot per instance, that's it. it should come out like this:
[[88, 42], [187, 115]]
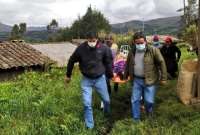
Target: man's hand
[[163, 82], [67, 79]]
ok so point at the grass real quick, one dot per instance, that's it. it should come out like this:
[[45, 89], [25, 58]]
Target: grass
[[41, 104], [171, 117]]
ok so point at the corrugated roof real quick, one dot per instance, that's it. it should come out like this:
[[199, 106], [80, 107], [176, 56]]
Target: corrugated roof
[[20, 55]]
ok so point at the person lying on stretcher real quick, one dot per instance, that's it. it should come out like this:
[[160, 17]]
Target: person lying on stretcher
[[118, 68]]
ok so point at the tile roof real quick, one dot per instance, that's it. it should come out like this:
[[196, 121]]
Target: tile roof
[[20, 55]]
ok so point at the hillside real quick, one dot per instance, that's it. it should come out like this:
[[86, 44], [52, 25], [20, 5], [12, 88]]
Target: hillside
[[31, 36], [8, 28], [5, 28], [36, 34], [170, 25], [4, 36]]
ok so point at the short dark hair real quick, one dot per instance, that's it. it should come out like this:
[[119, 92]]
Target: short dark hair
[[91, 35], [139, 35]]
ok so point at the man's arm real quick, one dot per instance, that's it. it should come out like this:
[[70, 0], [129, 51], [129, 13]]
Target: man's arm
[[72, 60], [160, 60], [108, 61]]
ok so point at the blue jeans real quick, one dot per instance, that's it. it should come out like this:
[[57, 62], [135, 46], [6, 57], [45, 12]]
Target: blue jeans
[[100, 86], [149, 94]]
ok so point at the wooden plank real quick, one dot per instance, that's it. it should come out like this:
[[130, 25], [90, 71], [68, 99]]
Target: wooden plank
[[195, 101], [198, 82], [194, 86]]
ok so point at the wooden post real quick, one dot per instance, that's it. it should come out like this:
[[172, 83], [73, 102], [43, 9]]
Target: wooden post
[[199, 32], [198, 72], [194, 86], [184, 9]]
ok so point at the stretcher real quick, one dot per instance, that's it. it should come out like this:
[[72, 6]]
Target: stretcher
[[119, 64]]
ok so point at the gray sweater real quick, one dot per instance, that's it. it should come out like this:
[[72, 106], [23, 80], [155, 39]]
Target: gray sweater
[[139, 64]]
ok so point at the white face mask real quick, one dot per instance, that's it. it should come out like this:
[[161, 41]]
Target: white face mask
[[92, 44], [140, 47]]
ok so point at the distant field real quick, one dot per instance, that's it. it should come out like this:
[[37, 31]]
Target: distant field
[[30, 36], [4, 36]]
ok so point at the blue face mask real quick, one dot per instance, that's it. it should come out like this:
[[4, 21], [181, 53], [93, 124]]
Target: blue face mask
[[140, 47], [156, 43]]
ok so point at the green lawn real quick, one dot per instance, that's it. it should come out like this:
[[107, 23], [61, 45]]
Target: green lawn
[[40, 104]]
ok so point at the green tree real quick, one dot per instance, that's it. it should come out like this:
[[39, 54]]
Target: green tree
[[191, 12], [53, 26], [48, 27], [61, 35], [22, 28], [53, 30], [92, 21], [190, 35], [76, 29], [54, 23], [15, 32], [18, 31]]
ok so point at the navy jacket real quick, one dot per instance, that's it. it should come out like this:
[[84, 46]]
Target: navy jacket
[[93, 62]]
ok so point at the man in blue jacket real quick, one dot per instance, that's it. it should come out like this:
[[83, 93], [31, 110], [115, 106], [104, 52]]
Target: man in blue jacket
[[95, 60]]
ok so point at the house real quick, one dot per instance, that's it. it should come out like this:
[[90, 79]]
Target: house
[[78, 41], [16, 57], [59, 52]]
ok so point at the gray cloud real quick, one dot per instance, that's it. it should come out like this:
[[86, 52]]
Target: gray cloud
[[141, 9], [32, 13], [40, 12], [166, 8]]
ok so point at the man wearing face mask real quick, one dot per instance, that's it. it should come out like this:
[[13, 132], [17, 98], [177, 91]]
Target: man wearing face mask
[[156, 42], [143, 65], [95, 59]]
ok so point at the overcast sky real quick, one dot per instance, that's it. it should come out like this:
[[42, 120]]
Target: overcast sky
[[41, 12]]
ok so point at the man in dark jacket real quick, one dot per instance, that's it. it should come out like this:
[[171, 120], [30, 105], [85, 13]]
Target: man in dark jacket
[[143, 65], [171, 54], [94, 61]]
